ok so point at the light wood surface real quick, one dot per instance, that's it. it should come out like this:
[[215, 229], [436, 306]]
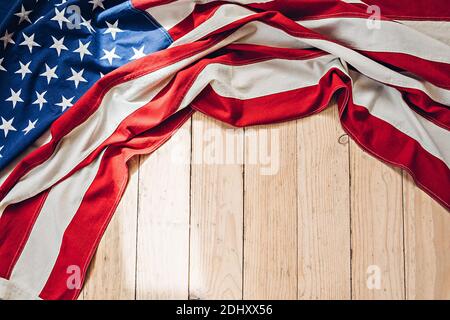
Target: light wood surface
[[270, 216], [323, 208], [216, 215], [163, 221], [331, 223], [377, 227]]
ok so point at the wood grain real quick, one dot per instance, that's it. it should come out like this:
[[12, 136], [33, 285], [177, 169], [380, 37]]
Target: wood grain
[[311, 230], [427, 245], [163, 220], [323, 207], [377, 227], [114, 261], [270, 214], [216, 211]]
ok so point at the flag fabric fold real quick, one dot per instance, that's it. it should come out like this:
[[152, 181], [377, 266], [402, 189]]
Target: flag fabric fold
[[243, 62]]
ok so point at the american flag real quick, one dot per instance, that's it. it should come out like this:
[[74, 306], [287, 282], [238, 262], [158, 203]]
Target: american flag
[[78, 102], [52, 52]]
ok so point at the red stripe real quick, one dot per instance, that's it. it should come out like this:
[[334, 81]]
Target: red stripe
[[15, 228], [272, 108], [422, 104], [196, 18], [392, 146], [318, 9], [293, 9], [438, 73], [414, 10], [146, 4], [84, 232]]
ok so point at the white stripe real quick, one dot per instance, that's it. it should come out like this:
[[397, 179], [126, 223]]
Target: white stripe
[[120, 102], [43, 139], [379, 72], [262, 34], [169, 15], [262, 78], [390, 37], [223, 16], [387, 104], [365, 65], [266, 35], [12, 291], [39, 255], [439, 30]]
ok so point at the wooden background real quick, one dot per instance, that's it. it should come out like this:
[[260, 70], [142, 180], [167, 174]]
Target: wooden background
[[312, 231]]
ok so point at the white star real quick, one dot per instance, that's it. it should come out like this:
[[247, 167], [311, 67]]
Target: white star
[[59, 17], [40, 99], [31, 126], [6, 126], [65, 103], [83, 49], [23, 15], [2, 68], [87, 24], [101, 75], [7, 38], [24, 69], [61, 3], [15, 97], [29, 41], [77, 77], [1, 148], [110, 55], [49, 73], [138, 53], [58, 45], [96, 4], [113, 29]]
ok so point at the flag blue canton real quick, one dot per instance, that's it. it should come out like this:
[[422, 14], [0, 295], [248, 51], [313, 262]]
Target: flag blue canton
[[52, 52]]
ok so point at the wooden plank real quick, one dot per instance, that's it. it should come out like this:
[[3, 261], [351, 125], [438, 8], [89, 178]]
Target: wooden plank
[[270, 213], [427, 245], [377, 228], [112, 271], [323, 208], [216, 210], [163, 220]]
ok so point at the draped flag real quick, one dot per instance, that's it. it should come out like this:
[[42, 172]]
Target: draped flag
[[52, 53], [80, 98]]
